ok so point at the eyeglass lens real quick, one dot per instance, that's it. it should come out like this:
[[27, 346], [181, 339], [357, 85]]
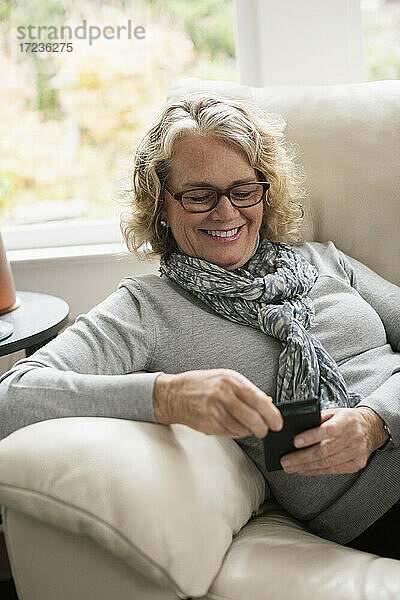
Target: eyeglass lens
[[241, 196]]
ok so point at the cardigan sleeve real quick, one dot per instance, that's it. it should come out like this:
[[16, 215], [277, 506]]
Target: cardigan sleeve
[[384, 297], [91, 369]]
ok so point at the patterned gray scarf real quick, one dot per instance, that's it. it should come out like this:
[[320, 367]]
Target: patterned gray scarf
[[270, 292]]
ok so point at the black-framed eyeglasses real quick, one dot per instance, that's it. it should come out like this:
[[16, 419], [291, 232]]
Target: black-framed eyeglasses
[[198, 200]]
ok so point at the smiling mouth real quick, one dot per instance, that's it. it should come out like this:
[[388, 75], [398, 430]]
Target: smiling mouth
[[223, 233]]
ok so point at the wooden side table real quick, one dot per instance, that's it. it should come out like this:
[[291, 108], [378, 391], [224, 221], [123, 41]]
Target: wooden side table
[[36, 321]]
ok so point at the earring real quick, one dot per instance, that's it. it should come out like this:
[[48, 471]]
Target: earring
[[163, 222]]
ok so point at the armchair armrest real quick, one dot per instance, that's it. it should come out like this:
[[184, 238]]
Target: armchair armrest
[[165, 499]]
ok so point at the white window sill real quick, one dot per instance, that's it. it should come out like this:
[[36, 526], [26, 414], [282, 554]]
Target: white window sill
[[91, 252], [77, 232]]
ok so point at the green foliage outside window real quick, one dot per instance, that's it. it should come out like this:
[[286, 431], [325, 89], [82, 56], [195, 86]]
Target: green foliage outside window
[[71, 121], [381, 36]]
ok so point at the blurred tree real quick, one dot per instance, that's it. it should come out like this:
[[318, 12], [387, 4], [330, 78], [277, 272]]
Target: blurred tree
[[381, 35], [209, 23], [24, 13], [78, 115]]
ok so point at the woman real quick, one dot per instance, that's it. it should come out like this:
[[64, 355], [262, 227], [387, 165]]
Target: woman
[[242, 316]]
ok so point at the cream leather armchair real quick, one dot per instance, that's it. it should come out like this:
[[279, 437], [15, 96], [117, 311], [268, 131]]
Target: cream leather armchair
[[106, 508]]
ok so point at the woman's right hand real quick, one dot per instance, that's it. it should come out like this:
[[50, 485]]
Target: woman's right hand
[[218, 402]]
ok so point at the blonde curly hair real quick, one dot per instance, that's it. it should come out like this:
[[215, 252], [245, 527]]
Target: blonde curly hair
[[239, 122]]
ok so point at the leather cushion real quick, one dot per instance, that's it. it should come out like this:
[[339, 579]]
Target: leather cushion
[[166, 499], [275, 557]]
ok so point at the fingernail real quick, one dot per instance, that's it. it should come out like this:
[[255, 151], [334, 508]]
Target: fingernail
[[277, 426], [299, 442]]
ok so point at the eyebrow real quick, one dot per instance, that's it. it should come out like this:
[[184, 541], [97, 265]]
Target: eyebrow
[[208, 184]]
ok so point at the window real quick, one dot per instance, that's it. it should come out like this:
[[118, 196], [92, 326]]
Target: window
[[81, 82], [381, 36]]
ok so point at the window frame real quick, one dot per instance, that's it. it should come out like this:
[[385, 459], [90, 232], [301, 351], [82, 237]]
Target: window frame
[[64, 233]]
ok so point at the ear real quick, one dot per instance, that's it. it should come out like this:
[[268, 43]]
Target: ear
[[163, 217]]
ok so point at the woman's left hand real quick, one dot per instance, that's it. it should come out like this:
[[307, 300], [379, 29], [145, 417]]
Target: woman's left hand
[[341, 444]]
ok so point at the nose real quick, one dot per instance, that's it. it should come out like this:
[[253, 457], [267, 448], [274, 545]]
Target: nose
[[224, 211]]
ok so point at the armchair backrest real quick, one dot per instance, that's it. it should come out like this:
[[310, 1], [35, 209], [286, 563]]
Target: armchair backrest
[[348, 137]]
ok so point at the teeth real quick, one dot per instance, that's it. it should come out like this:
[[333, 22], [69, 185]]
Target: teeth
[[228, 233]]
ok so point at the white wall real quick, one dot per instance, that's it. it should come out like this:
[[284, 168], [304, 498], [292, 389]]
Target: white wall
[[305, 42], [82, 280]]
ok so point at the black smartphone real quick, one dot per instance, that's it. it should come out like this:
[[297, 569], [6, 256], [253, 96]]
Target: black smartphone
[[297, 417]]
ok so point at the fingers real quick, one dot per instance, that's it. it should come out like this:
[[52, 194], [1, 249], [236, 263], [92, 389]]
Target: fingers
[[326, 430], [338, 445], [320, 456], [262, 413], [224, 402], [327, 413], [350, 466], [233, 427], [252, 422]]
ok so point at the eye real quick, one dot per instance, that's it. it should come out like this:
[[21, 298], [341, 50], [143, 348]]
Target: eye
[[241, 194], [198, 196]]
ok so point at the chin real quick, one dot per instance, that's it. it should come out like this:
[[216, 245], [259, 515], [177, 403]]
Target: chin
[[230, 264]]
